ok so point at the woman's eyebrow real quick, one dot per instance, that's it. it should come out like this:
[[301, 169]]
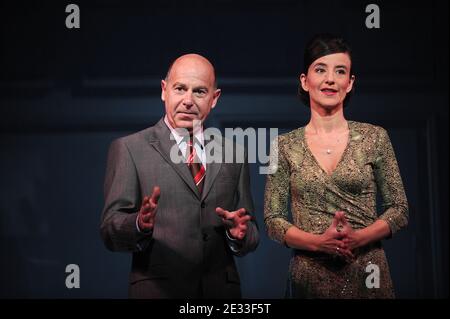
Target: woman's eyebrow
[[320, 64]]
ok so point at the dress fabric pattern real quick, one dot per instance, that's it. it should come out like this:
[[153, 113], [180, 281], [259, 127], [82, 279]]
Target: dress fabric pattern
[[368, 165]]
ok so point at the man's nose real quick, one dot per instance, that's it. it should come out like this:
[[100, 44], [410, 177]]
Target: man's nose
[[187, 100]]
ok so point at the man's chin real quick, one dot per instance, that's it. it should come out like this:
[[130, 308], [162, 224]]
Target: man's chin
[[187, 124], [184, 124]]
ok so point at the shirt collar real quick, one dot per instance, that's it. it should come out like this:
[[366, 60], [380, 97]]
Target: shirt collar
[[180, 137]]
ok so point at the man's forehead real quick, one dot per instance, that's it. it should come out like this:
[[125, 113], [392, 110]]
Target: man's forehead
[[192, 65], [191, 74]]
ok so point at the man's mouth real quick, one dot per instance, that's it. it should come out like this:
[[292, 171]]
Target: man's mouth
[[187, 113]]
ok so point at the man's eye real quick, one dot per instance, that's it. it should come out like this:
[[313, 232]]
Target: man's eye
[[200, 92], [179, 89]]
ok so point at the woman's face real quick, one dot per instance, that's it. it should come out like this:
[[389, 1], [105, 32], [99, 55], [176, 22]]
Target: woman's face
[[328, 80]]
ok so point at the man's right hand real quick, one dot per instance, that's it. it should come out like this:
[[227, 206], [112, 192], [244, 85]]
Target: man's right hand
[[147, 213]]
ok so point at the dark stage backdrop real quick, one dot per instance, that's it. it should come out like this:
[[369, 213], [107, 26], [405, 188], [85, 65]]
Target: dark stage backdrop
[[65, 94]]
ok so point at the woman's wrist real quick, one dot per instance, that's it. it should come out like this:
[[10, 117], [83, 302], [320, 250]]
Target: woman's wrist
[[302, 240], [361, 238], [316, 241]]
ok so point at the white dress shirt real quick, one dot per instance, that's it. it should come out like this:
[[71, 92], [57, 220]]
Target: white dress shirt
[[181, 141]]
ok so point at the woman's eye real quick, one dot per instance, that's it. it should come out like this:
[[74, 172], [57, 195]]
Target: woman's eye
[[320, 70], [341, 71]]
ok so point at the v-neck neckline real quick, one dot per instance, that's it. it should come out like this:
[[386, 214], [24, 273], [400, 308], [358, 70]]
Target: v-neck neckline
[[306, 146]]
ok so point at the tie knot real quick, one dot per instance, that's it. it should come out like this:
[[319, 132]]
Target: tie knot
[[192, 141]]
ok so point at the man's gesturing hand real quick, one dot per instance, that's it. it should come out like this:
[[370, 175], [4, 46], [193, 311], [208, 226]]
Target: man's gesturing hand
[[236, 221], [146, 218]]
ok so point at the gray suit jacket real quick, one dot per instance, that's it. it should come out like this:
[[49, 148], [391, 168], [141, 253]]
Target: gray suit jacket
[[188, 253]]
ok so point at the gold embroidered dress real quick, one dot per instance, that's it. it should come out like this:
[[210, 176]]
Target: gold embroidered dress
[[367, 165]]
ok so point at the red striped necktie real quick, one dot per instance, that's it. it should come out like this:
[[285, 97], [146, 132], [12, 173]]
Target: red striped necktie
[[195, 165]]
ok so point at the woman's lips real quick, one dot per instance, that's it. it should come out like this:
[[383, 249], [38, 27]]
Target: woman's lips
[[328, 92]]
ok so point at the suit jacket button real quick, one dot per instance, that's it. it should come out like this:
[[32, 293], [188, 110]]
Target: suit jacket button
[[205, 237], [203, 205]]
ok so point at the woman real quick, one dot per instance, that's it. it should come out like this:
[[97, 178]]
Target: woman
[[332, 169]]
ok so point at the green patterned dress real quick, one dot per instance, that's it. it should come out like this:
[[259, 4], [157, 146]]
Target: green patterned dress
[[367, 165]]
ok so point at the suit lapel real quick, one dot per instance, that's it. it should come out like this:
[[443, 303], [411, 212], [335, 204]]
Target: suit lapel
[[212, 168], [163, 144]]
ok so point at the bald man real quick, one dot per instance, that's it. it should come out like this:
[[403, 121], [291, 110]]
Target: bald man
[[183, 221]]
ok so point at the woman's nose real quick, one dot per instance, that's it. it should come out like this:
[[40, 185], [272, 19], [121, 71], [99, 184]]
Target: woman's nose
[[330, 77]]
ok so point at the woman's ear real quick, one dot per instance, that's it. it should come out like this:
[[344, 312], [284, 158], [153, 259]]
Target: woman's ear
[[350, 86], [303, 82]]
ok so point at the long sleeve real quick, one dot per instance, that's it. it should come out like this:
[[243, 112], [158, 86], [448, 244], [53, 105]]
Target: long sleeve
[[276, 194], [122, 202], [389, 184], [244, 200]]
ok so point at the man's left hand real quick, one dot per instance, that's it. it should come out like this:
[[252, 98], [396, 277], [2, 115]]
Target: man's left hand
[[236, 221]]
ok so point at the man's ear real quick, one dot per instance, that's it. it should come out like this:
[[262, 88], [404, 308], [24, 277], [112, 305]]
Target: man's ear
[[303, 82], [216, 97], [163, 90]]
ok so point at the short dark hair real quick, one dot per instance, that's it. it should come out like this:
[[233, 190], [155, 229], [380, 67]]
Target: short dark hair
[[319, 46]]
